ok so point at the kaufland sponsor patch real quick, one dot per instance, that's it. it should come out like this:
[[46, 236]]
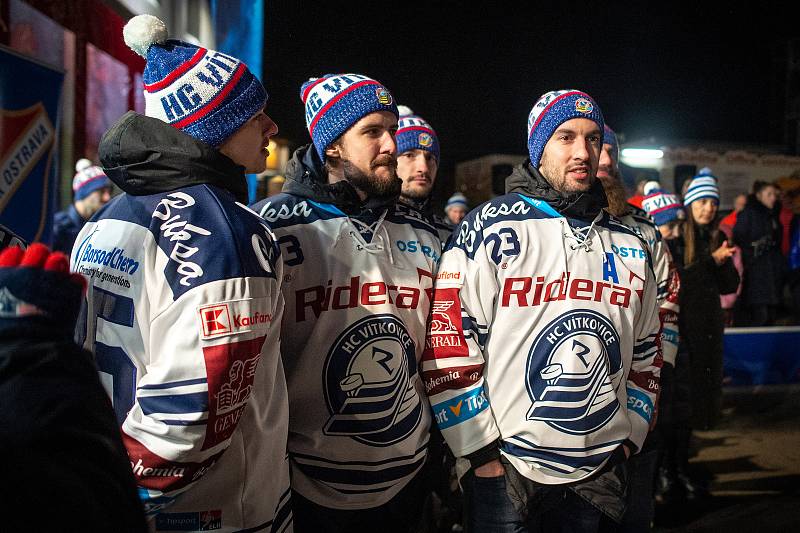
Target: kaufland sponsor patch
[[233, 317]]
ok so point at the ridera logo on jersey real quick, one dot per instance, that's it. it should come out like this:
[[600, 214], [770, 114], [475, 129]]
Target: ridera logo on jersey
[[573, 372], [369, 379]]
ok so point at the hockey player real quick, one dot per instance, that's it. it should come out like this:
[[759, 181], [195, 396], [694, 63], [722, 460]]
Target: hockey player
[[184, 303], [639, 511], [542, 356], [358, 283], [417, 166]]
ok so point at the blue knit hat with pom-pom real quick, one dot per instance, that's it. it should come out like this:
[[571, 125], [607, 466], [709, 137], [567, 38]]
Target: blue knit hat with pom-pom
[[335, 102], [207, 94]]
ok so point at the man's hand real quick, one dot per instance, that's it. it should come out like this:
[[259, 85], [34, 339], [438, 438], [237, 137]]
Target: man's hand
[[627, 451], [491, 469]]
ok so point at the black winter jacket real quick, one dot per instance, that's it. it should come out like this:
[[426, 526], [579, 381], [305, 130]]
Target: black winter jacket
[[758, 233], [701, 320]]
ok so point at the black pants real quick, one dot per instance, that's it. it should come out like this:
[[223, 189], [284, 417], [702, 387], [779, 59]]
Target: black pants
[[401, 514]]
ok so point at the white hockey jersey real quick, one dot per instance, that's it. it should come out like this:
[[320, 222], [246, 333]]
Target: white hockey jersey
[[183, 315], [543, 337], [667, 279], [358, 291]]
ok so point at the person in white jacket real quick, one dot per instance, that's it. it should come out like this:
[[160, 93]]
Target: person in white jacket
[[184, 307], [543, 351], [358, 283]]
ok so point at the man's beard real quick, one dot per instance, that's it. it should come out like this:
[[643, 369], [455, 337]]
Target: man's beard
[[615, 193], [417, 194], [555, 175], [370, 184]]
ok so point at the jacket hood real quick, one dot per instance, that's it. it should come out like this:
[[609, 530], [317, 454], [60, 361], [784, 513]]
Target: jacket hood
[[143, 155], [529, 181], [307, 177]]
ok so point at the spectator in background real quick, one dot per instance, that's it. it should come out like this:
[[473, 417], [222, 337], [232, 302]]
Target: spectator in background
[[59, 440], [456, 209], [783, 208], [728, 301], [758, 233], [702, 255], [794, 267], [636, 199], [91, 191], [729, 221]]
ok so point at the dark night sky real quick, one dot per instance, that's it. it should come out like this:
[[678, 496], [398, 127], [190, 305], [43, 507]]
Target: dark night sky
[[474, 72]]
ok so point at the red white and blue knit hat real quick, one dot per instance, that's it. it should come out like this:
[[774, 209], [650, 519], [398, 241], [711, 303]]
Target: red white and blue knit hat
[[207, 94], [335, 102], [664, 207], [553, 109], [88, 178], [414, 133]]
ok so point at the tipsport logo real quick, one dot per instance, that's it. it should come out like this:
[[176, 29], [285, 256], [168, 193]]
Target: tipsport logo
[[573, 372], [369, 381]]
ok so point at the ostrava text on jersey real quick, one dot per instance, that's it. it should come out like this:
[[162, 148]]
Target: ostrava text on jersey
[[183, 312], [543, 335], [358, 284]]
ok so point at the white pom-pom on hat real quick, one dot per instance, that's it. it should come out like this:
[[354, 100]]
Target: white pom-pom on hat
[[82, 164], [404, 111], [142, 31], [651, 186]]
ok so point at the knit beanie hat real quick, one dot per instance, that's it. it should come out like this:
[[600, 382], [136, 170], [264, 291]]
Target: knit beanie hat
[[702, 186], [88, 178], [206, 94], [553, 109], [36, 285], [335, 102], [414, 133], [609, 137], [664, 207], [457, 200]]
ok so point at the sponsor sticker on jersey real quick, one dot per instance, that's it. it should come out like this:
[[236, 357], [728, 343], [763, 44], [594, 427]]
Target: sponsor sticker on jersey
[[192, 521], [234, 317], [369, 382], [445, 331], [461, 408], [573, 372], [231, 369]]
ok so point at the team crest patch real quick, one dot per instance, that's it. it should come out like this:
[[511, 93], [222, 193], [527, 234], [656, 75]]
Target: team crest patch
[[573, 373], [582, 105], [383, 95], [369, 382], [425, 139]]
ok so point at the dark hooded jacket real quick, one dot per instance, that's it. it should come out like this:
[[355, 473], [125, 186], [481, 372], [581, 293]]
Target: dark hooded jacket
[[584, 206], [156, 158], [758, 233]]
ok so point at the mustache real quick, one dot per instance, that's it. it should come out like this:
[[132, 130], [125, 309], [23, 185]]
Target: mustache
[[383, 161]]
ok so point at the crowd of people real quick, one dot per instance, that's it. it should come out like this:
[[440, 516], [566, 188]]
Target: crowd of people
[[338, 357]]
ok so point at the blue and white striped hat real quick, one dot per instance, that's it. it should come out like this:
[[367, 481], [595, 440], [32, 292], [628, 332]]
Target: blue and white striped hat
[[413, 133], [206, 94], [702, 186], [610, 137], [553, 109], [335, 102]]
